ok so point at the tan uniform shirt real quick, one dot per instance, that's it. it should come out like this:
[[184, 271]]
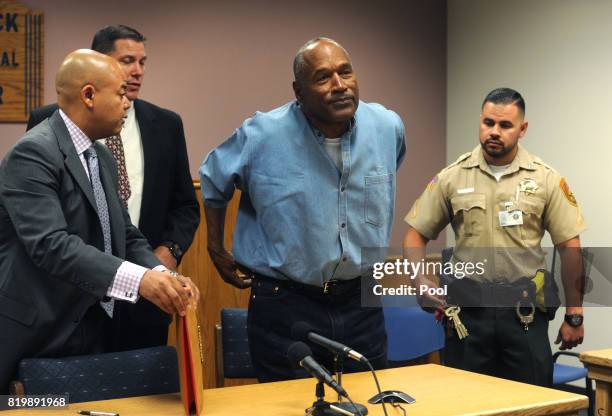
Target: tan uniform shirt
[[467, 195]]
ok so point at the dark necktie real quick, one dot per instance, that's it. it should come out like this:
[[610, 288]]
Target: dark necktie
[[115, 145], [100, 196]]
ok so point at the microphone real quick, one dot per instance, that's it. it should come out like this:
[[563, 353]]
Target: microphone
[[301, 356], [301, 331]]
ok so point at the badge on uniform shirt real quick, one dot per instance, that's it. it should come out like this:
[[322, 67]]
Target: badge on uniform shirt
[[528, 186], [510, 218], [567, 192]]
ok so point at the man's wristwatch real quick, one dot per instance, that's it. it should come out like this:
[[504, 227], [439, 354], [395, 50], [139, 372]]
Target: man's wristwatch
[[175, 250], [574, 320]]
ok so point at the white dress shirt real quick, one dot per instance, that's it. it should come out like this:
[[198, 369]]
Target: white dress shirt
[[134, 163]]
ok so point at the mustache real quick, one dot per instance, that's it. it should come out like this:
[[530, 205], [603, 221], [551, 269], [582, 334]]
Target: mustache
[[495, 141], [342, 97]]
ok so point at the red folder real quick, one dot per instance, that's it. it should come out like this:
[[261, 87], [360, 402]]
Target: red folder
[[191, 360]]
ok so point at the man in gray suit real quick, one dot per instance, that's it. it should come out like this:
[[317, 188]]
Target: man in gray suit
[[68, 250]]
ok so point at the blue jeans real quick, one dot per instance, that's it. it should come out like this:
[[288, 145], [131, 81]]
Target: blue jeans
[[274, 307]]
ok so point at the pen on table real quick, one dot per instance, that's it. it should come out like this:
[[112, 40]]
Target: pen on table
[[94, 413]]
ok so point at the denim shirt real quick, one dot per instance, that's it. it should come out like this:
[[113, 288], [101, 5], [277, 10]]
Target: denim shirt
[[300, 218]]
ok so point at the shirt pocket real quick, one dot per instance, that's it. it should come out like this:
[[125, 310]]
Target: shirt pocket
[[532, 229], [468, 214], [379, 199]]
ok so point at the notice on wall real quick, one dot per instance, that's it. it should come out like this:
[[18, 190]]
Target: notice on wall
[[21, 61]]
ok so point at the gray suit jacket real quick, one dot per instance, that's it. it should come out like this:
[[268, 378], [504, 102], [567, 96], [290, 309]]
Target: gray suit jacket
[[170, 210], [52, 262]]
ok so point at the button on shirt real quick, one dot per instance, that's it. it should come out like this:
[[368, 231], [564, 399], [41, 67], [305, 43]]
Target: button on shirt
[[127, 280], [467, 195], [300, 217]]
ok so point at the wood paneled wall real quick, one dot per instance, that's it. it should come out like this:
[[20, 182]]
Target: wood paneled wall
[[215, 293]]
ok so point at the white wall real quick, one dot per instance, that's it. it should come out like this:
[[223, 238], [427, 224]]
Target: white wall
[[558, 54]]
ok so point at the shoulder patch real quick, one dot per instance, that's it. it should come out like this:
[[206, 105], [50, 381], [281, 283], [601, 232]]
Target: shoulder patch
[[567, 192], [432, 183]]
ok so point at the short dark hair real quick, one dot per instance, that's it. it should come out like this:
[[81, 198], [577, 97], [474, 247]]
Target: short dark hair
[[505, 96], [104, 39]]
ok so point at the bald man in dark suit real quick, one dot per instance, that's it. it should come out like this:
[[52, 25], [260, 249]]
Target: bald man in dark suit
[[68, 251], [161, 201]]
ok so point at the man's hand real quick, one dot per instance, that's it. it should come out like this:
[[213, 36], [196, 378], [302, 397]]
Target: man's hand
[[228, 269], [569, 336], [171, 294], [190, 287], [165, 257], [414, 250], [428, 303], [221, 258]]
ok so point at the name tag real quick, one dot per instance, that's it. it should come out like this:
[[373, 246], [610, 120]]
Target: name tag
[[465, 191], [510, 218]]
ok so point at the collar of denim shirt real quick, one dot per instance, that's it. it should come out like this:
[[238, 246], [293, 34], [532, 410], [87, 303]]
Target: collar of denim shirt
[[319, 135]]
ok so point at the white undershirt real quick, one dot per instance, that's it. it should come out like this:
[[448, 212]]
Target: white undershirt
[[333, 149], [134, 163], [498, 171]]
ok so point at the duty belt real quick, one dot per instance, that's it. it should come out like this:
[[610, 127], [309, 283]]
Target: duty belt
[[469, 293], [523, 295]]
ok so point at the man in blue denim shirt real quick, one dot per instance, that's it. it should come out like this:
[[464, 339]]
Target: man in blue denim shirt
[[317, 177]]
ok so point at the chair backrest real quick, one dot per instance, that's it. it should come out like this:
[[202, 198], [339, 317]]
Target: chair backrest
[[84, 378], [235, 354], [411, 333]]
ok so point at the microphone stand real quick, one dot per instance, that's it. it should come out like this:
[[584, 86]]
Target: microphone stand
[[322, 408], [338, 368], [349, 407]]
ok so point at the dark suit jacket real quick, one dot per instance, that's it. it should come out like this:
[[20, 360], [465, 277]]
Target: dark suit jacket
[[52, 262], [170, 209]]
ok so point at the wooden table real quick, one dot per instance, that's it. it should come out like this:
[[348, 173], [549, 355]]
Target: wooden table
[[599, 364], [438, 390]]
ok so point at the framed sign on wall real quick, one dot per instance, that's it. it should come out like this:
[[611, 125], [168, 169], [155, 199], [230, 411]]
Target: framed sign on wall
[[21, 61]]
